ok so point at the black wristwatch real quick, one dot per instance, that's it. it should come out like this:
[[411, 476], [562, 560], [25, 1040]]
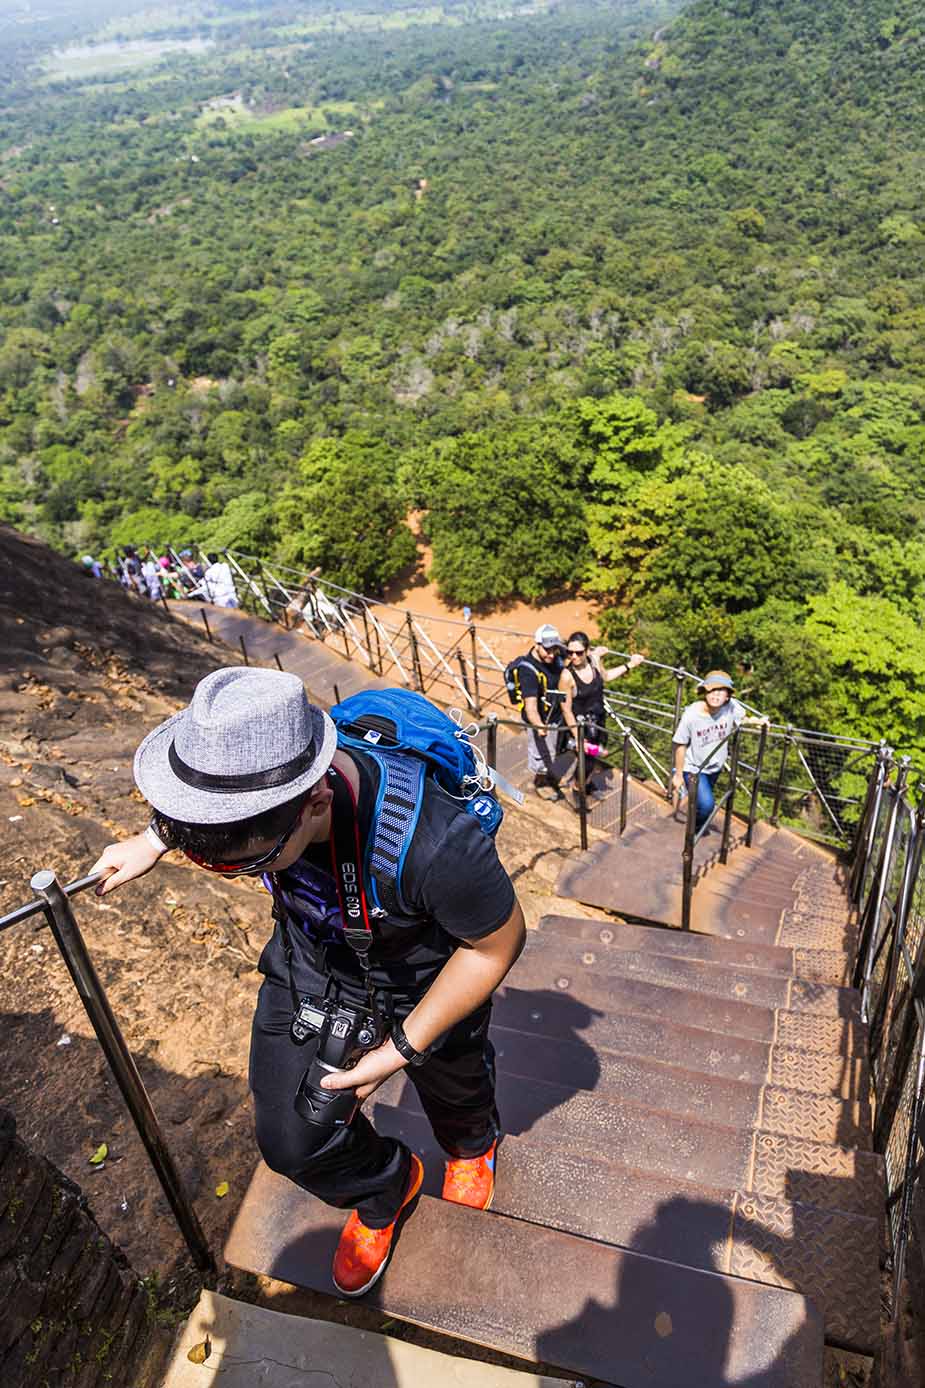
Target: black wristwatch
[[405, 1048]]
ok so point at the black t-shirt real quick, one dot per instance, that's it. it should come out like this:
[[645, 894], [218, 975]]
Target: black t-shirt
[[536, 679], [452, 881]]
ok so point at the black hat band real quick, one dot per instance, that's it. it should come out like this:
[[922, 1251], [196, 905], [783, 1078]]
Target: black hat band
[[251, 780]]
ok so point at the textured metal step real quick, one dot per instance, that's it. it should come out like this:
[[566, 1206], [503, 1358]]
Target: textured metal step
[[798, 930], [701, 976], [636, 1134], [805, 1031], [817, 966], [620, 1316], [557, 1014], [828, 1255], [733, 1103]]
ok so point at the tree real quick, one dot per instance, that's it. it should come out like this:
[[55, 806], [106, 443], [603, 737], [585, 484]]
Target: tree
[[344, 512], [877, 654], [716, 533], [505, 513]]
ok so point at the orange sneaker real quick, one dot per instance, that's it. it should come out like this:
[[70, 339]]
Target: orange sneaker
[[471, 1180], [362, 1253]]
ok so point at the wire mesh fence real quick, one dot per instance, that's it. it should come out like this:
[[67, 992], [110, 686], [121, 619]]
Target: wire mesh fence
[[890, 888]]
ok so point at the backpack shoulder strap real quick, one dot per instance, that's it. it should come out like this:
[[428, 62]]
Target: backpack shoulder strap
[[395, 818]]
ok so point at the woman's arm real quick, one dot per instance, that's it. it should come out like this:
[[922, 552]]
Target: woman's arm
[[620, 670]]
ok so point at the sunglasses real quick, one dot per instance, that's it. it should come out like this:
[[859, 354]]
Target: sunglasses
[[577, 650], [248, 865]]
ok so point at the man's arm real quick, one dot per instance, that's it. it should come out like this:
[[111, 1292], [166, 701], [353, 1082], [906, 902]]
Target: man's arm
[[467, 979], [123, 862], [532, 712]]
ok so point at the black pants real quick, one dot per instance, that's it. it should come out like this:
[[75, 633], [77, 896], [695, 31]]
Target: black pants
[[355, 1166]]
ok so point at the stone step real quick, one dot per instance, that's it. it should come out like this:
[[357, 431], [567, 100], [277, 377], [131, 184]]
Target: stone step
[[597, 1310], [818, 966], [827, 1255], [557, 1014], [701, 976], [539, 971], [253, 1345], [651, 1082]]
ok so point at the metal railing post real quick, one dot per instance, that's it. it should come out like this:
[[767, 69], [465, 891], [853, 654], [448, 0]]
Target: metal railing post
[[582, 780], [205, 623], [64, 928], [869, 937], [491, 749], [336, 694], [243, 649], [415, 654], [860, 831], [475, 672], [624, 783], [687, 856], [884, 759], [369, 649], [279, 663], [463, 674], [378, 646], [756, 784], [881, 1019], [781, 773], [678, 702], [730, 797]]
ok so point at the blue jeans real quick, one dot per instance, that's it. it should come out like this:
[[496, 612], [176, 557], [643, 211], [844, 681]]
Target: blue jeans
[[705, 797]]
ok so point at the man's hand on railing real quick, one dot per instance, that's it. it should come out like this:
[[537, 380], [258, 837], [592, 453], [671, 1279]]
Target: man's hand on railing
[[123, 862]]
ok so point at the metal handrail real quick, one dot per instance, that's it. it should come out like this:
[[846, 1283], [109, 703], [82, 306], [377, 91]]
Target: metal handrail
[[53, 901]]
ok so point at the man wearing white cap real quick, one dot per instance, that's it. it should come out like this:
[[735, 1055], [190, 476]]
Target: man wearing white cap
[[542, 706], [249, 780]]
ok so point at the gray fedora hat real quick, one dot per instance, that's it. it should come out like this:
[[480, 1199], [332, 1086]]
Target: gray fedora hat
[[249, 740]]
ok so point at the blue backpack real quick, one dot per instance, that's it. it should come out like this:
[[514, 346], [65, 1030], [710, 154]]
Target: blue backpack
[[408, 737]]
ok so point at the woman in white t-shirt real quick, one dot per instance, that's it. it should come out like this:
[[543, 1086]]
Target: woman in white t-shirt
[[704, 725]]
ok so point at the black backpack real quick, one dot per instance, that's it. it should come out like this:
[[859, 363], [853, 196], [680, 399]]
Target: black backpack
[[512, 682]]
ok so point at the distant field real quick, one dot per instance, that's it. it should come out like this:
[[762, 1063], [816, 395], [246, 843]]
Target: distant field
[[236, 116], [97, 59]]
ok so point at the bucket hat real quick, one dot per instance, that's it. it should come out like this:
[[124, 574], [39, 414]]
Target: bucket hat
[[716, 679], [248, 741], [548, 636]]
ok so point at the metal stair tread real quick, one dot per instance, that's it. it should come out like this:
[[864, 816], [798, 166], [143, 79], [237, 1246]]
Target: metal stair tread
[[698, 1225], [766, 988], [556, 1015], [649, 1137], [687, 944], [599, 1310], [730, 1017], [825, 1118]]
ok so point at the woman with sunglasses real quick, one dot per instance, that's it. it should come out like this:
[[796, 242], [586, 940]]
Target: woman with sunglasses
[[584, 679]]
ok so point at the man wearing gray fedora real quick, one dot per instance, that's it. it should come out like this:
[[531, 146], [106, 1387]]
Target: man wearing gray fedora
[[249, 780]]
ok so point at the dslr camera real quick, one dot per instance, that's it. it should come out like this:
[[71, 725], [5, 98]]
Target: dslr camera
[[345, 1033]]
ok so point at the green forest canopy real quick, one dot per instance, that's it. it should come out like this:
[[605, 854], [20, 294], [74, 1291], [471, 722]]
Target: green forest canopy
[[620, 298]]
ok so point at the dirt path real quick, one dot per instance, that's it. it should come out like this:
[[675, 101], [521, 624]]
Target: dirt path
[[414, 591]]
